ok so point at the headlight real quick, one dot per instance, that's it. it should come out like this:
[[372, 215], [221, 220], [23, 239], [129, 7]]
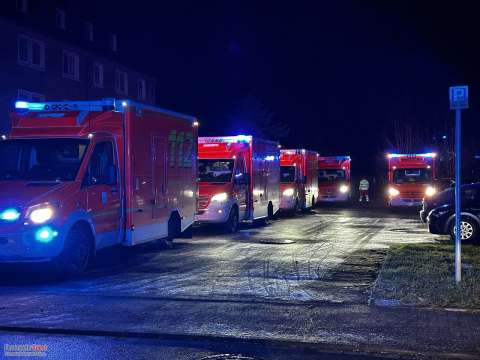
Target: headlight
[[430, 191], [393, 192], [288, 192], [221, 197], [40, 214], [9, 215], [344, 189]]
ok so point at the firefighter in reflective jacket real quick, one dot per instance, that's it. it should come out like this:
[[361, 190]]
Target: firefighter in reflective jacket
[[364, 187]]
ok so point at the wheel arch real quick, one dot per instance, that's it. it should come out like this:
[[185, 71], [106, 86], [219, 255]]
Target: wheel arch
[[451, 219]]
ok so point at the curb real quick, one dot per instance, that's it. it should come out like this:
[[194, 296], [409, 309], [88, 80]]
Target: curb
[[280, 344]]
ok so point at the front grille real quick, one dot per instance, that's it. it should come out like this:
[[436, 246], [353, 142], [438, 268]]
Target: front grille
[[203, 202]]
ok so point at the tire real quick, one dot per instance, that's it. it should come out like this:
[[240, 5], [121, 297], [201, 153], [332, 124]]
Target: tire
[[77, 253], [296, 208], [174, 231], [313, 202], [470, 230], [231, 226]]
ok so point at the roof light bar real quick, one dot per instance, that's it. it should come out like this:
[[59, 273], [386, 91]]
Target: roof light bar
[[428, 155]]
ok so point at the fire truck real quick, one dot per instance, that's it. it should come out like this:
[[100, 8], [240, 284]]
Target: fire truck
[[298, 179], [76, 177], [410, 178], [238, 180], [334, 178]]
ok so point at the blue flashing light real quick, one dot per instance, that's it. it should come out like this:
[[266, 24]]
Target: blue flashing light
[[45, 234], [21, 105], [25, 105], [428, 155], [10, 215], [270, 158], [243, 138]]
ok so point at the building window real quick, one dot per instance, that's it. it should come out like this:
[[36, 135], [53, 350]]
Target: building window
[[31, 52], [141, 89], [71, 65], [121, 82], [98, 75], [30, 96], [89, 31], [60, 19], [113, 42], [22, 6]]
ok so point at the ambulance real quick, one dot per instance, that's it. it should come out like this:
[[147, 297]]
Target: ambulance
[[298, 179], [76, 177], [410, 178], [334, 178], [238, 180]]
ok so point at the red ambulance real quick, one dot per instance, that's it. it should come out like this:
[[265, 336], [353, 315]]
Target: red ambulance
[[298, 179], [410, 178], [238, 180], [334, 178], [76, 177]]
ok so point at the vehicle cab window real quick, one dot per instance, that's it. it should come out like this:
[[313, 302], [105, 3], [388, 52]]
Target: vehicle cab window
[[101, 168], [240, 171]]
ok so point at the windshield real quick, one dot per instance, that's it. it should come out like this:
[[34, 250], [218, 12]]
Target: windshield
[[404, 176], [287, 174], [215, 171], [331, 175], [41, 159]]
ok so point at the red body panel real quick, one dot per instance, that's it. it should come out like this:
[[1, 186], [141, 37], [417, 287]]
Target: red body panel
[[410, 193], [258, 160], [330, 191], [305, 186], [154, 155]]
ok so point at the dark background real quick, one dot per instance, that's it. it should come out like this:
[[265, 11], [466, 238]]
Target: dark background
[[338, 73]]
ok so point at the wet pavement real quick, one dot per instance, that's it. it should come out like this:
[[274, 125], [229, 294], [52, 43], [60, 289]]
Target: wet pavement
[[295, 286]]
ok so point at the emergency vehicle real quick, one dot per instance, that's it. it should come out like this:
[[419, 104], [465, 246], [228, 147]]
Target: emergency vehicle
[[76, 177], [410, 178], [238, 180], [298, 179], [334, 178]]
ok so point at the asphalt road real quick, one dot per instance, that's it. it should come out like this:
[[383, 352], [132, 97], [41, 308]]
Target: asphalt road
[[295, 288]]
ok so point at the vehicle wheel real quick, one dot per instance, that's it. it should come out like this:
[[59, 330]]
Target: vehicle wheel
[[231, 226], [77, 253], [296, 208], [271, 216], [469, 230], [174, 231], [187, 233], [313, 202]]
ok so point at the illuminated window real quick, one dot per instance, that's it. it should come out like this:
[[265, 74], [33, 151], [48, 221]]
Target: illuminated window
[[31, 52], [71, 65]]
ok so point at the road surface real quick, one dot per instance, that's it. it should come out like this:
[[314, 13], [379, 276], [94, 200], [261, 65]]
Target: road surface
[[295, 287]]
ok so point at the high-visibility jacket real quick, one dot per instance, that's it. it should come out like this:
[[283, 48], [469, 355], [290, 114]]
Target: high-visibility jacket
[[364, 185]]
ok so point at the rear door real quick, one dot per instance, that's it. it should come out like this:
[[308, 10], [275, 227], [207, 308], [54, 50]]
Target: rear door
[[159, 177]]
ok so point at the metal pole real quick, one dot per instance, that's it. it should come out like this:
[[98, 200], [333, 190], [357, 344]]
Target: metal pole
[[458, 197]]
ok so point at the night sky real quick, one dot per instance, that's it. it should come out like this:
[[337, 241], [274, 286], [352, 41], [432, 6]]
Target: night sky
[[337, 72]]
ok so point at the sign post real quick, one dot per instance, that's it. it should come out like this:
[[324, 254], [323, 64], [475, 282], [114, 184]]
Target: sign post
[[458, 101]]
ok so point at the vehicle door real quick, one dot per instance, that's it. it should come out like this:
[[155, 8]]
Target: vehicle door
[[160, 208], [240, 185], [103, 192]]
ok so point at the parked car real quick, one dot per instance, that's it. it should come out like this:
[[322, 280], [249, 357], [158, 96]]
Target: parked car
[[441, 219]]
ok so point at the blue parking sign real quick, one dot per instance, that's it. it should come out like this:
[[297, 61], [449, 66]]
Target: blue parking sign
[[458, 97]]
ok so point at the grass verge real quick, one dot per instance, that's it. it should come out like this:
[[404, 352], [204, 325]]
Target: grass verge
[[423, 275]]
